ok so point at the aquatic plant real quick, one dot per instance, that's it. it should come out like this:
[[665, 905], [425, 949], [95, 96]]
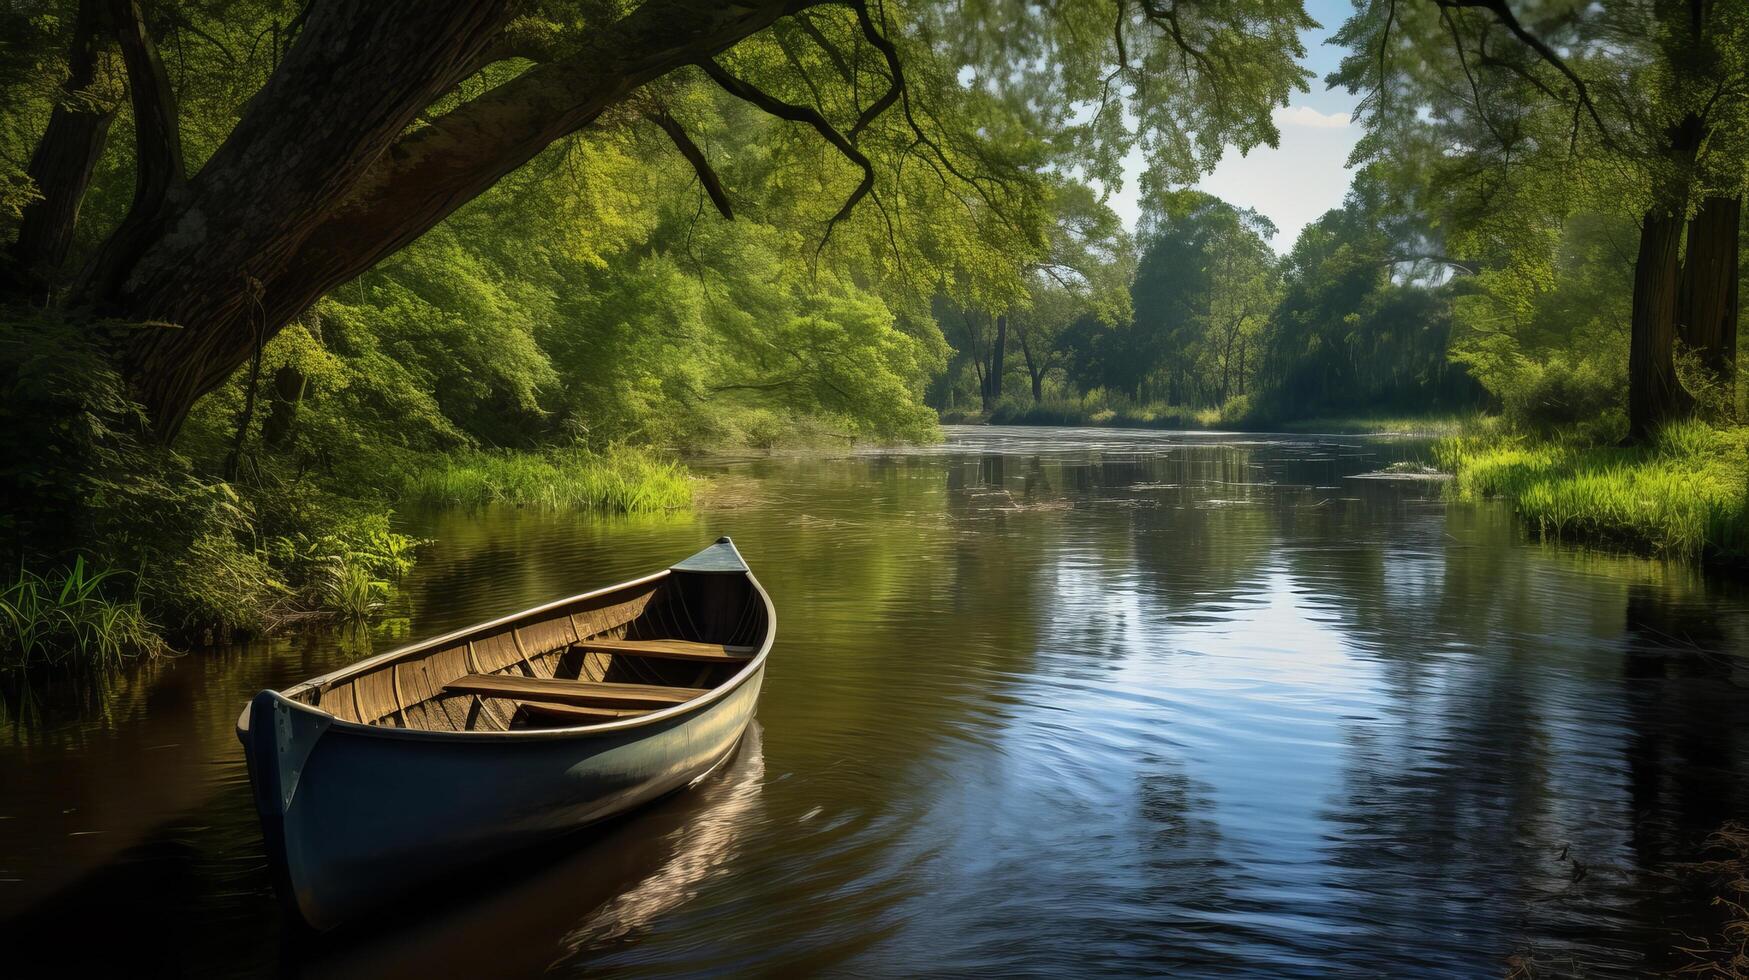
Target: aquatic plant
[[70, 616], [350, 592]]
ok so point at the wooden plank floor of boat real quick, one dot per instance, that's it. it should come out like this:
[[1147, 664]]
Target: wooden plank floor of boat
[[670, 649], [573, 692]]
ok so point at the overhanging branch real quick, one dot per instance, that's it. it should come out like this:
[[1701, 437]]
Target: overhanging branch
[[885, 45], [1504, 14], [803, 114], [694, 156]]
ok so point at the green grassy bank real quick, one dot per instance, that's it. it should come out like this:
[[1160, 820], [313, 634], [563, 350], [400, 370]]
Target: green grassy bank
[[622, 481], [1685, 495]]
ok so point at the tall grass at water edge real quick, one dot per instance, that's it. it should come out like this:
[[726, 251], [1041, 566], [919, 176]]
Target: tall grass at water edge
[[621, 481], [48, 620], [1683, 495]]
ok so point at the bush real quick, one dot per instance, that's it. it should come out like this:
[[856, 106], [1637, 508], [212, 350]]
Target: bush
[[83, 478], [1557, 395]]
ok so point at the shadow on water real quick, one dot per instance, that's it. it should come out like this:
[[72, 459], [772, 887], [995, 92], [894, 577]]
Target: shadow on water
[[1072, 701]]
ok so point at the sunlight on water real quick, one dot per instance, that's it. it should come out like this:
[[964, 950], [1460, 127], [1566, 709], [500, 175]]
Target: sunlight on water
[[1077, 701]]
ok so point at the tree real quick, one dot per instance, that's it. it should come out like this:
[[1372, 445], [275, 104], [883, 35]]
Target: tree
[[1085, 272], [1204, 279], [375, 121], [1363, 320], [1637, 107]]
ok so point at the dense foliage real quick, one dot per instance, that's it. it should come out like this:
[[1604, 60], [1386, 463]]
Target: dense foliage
[[270, 268], [359, 254]]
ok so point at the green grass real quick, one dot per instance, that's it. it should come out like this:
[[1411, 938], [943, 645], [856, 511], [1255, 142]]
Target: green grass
[[621, 481], [1685, 495], [69, 617]]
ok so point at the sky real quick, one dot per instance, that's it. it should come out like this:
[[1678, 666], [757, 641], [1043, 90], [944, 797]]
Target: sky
[[1306, 176]]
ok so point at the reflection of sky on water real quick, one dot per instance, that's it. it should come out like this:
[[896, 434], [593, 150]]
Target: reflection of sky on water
[[1083, 702]]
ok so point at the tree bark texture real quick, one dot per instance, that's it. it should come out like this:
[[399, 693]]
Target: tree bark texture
[[1655, 395], [1710, 281]]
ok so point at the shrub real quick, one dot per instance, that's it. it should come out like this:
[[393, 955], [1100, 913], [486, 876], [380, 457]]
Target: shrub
[[1543, 398]]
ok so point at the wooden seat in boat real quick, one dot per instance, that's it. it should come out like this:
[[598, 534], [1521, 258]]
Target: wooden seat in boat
[[534, 713], [572, 692], [670, 649]]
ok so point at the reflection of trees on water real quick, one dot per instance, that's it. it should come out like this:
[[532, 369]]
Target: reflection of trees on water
[[1517, 779], [1509, 786], [987, 737]]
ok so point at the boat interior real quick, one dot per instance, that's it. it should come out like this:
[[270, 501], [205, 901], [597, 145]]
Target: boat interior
[[625, 652]]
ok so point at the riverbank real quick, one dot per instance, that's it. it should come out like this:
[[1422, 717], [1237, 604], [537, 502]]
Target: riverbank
[[1074, 414], [1684, 496], [621, 481], [196, 560]]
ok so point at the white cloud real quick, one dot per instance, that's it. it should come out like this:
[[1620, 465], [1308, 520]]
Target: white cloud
[[1305, 115], [1291, 185]]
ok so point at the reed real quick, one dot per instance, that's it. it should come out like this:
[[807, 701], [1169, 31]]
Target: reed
[[1685, 495], [351, 592], [620, 481], [68, 617]]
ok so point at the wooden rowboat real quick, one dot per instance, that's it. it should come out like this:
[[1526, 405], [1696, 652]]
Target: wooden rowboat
[[406, 767]]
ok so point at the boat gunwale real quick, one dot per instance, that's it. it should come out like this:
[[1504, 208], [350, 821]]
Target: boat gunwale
[[703, 701]]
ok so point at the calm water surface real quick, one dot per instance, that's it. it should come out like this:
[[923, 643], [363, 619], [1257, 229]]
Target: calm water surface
[[1082, 701]]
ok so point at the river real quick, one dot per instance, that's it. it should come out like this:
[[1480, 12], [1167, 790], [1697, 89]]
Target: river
[[1046, 700]]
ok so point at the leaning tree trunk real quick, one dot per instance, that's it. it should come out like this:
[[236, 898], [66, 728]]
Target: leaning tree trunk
[[322, 178], [64, 159], [1710, 274], [1655, 395]]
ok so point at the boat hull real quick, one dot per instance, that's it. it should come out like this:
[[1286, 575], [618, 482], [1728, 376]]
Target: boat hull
[[354, 815]]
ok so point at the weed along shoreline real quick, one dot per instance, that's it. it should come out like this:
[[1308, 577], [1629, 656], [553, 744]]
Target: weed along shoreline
[[1683, 497]]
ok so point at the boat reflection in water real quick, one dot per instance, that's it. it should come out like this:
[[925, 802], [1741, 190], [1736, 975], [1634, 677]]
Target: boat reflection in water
[[625, 877]]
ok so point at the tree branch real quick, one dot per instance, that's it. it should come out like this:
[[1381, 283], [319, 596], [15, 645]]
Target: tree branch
[[802, 114], [836, 56], [1504, 14], [64, 158], [694, 156], [885, 46]]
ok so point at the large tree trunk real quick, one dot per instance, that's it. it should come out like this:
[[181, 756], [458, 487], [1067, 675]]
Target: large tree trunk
[[64, 159], [1708, 305], [1655, 396], [321, 178]]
